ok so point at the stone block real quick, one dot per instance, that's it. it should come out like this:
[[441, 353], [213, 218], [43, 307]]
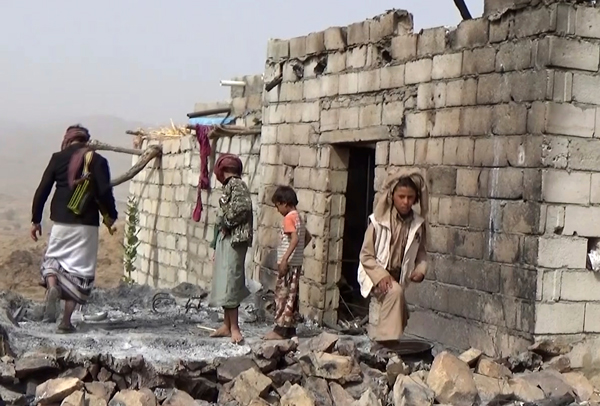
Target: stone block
[[370, 134], [582, 221], [429, 151], [515, 56], [579, 286], [521, 217], [311, 89], [356, 58], [595, 192], [447, 66], [348, 83], [584, 89], [404, 48], [534, 22], [418, 71], [592, 318], [583, 154], [555, 219], [370, 115], [315, 43], [330, 85], [461, 93], [458, 151], [470, 34], [469, 244], [493, 89], [562, 252], [568, 53], [291, 91], [476, 120], [442, 180], [587, 22], [562, 90], [447, 123], [479, 214], [559, 318], [336, 62], [392, 77], [369, 81], [393, 22], [278, 49], [348, 118], [530, 85], [330, 119], [509, 119], [418, 125], [297, 47], [335, 38], [505, 183], [431, 95], [393, 113], [402, 153], [382, 151], [358, 33], [564, 187], [478, 61], [454, 211], [503, 248], [432, 41], [499, 29]]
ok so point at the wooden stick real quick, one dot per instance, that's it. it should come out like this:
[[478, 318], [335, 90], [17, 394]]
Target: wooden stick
[[153, 151], [212, 330], [211, 112], [463, 9], [274, 83], [101, 146], [138, 132]]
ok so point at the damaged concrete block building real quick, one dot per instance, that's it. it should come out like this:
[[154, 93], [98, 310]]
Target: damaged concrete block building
[[501, 116]]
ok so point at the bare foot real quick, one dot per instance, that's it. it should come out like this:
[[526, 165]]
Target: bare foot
[[223, 331], [272, 336], [236, 336]]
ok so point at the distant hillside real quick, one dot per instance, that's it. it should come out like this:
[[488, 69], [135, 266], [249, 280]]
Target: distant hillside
[[27, 149]]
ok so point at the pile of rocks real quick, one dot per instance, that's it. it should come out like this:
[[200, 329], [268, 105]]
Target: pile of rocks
[[325, 370]]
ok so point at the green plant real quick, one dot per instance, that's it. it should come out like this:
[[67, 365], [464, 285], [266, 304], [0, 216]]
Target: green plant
[[131, 241]]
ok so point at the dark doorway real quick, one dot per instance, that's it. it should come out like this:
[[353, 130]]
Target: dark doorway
[[360, 193]]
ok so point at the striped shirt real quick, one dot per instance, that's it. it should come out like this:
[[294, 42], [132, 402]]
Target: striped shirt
[[292, 223]]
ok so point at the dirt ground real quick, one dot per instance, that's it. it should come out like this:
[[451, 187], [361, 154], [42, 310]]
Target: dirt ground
[[20, 258]]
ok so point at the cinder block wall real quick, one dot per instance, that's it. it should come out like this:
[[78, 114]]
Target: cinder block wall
[[499, 114], [173, 247]]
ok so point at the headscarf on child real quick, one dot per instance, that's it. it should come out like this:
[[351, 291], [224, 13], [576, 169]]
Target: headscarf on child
[[384, 201]]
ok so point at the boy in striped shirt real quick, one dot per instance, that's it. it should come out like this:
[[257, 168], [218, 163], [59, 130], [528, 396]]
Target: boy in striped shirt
[[290, 254]]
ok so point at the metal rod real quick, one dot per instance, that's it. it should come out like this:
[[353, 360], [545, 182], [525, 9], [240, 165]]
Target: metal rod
[[233, 83], [463, 9], [211, 112]]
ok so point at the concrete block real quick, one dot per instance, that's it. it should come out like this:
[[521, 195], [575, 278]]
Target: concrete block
[[348, 83], [469, 244], [335, 38], [392, 77], [555, 219], [595, 193], [505, 183], [370, 115], [418, 125], [530, 85], [521, 217], [370, 134], [458, 151], [454, 211], [431, 95], [393, 22], [470, 34], [369, 81], [278, 49], [592, 318], [567, 119], [509, 119], [582, 221], [447, 66], [330, 85], [330, 119], [499, 29], [447, 123], [478, 61], [393, 113], [568, 53], [587, 22], [418, 71], [584, 88], [315, 43], [404, 48], [562, 252], [534, 22], [348, 118], [442, 180], [431, 41], [493, 89], [429, 151], [291, 91], [461, 92], [583, 154], [402, 152], [476, 120], [336, 62], [563, 87], [358, 33], [570, 315], [298, 47], [356, 58], [382, 151], [294, 133], [311, 89], [514, 56], [503, 248]]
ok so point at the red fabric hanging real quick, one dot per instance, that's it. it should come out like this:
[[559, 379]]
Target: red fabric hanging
[[202, 132]]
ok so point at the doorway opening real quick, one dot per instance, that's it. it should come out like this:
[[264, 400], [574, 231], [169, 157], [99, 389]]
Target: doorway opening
[[360, 194]]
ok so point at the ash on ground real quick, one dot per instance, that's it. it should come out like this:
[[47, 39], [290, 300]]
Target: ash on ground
[[123, 323]]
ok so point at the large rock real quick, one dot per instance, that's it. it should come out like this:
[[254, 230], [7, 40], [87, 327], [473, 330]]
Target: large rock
[[487, 367], [297, 396], [524, 390], [249, 385], [550, 381], [74, 399], [33, 363], [550, 348], [130, 397], [488, 387], [291, 374], [339, 395], [368, 399], [582, 386], [7, 372], [229, 368], [327, 366], [102, 390], [471, 356], [11, 397], [324, 342], [274, 349], [179, 398], [92, 400], [560, 363], [452, 381], [79, 372], [56, 390], [395, 367], [319, 389], [410, 392]]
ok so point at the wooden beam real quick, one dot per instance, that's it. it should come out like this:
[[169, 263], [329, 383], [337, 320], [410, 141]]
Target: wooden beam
[[210, 112], [463, 9]]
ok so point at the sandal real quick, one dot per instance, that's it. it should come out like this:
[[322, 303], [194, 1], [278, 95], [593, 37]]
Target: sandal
[[66, 329], [52, 305]]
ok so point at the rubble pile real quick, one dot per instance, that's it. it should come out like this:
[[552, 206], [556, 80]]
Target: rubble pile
[[325, 370]]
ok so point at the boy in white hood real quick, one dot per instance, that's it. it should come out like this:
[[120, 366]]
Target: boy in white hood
[[393, 252]]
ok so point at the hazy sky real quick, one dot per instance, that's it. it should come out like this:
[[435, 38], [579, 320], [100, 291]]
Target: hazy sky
[[152, 60]]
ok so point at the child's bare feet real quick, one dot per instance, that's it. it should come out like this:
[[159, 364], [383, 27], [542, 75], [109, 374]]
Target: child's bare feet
[[236, 336], [222, 331], [272, 336]]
